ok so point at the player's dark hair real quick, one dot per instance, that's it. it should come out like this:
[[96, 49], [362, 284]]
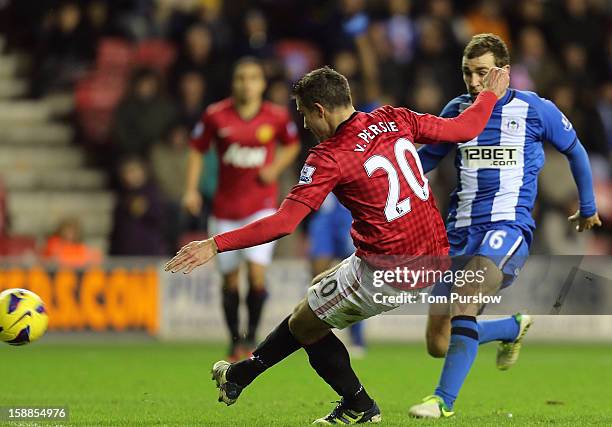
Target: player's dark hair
[[325, 86], [251, 60], [487, 42]]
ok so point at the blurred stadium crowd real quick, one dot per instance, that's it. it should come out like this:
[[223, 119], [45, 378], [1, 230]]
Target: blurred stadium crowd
[[98, 99]]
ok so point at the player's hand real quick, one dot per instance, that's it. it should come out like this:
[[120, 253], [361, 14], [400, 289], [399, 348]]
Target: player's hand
[[192, 201], [497, 80], [268, 174], [582, 223], [192, 255]]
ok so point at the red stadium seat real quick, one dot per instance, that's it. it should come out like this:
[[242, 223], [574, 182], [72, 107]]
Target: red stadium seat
[[99, 91], [155, 53], [114, 53], [14, 246], [96, 98], [98, 94]]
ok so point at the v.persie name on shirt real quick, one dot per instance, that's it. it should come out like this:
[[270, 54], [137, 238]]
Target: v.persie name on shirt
[[372, 131]]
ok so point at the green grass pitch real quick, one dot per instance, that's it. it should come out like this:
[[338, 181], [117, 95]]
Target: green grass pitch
[[148, 383]]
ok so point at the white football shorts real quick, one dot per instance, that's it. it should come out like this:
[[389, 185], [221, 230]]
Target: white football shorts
[[230, 261], [347, 294]]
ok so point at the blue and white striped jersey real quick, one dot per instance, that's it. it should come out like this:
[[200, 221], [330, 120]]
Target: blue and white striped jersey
[[497, 171]]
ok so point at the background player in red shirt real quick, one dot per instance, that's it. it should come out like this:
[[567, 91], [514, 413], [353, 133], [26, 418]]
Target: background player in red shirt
[[246, 132], [370, 163]]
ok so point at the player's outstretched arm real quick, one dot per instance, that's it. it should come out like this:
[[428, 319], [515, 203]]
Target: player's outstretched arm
[[586, 217], [558, 130], [192, 255], [432, 154], [281, 223]]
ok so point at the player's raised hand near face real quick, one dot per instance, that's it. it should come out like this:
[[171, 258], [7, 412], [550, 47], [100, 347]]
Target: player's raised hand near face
[[497, 80], [582, 223], [192, 255]]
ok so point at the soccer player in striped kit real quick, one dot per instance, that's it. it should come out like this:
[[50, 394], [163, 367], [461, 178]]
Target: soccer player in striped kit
[[490, 214]]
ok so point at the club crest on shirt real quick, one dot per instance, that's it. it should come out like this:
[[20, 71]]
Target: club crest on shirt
[[306, 174], [513, 124], [264, 133]]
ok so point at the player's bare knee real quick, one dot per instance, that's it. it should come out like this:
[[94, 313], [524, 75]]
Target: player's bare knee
[[305, 326], [257, 284], [437, 343], [298, 322], [480, 277], [437, 346], [459, 308], [231, 281], [257, 276], [437, 335], [487, 276]]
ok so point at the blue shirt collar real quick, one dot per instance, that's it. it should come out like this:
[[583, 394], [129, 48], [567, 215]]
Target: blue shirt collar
[[509, 96]]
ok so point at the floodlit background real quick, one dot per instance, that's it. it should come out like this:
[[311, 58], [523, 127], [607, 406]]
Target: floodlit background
[[71, 107]]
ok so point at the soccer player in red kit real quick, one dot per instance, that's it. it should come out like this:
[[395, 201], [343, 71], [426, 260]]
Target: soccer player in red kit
[[370, 163], [255, 141]]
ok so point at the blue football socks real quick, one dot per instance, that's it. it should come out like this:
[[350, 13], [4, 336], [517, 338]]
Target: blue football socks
[[506, 329], [461, 353]]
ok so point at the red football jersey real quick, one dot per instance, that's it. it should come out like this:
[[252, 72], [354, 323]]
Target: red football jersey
[[243, 148], [373, 168]]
